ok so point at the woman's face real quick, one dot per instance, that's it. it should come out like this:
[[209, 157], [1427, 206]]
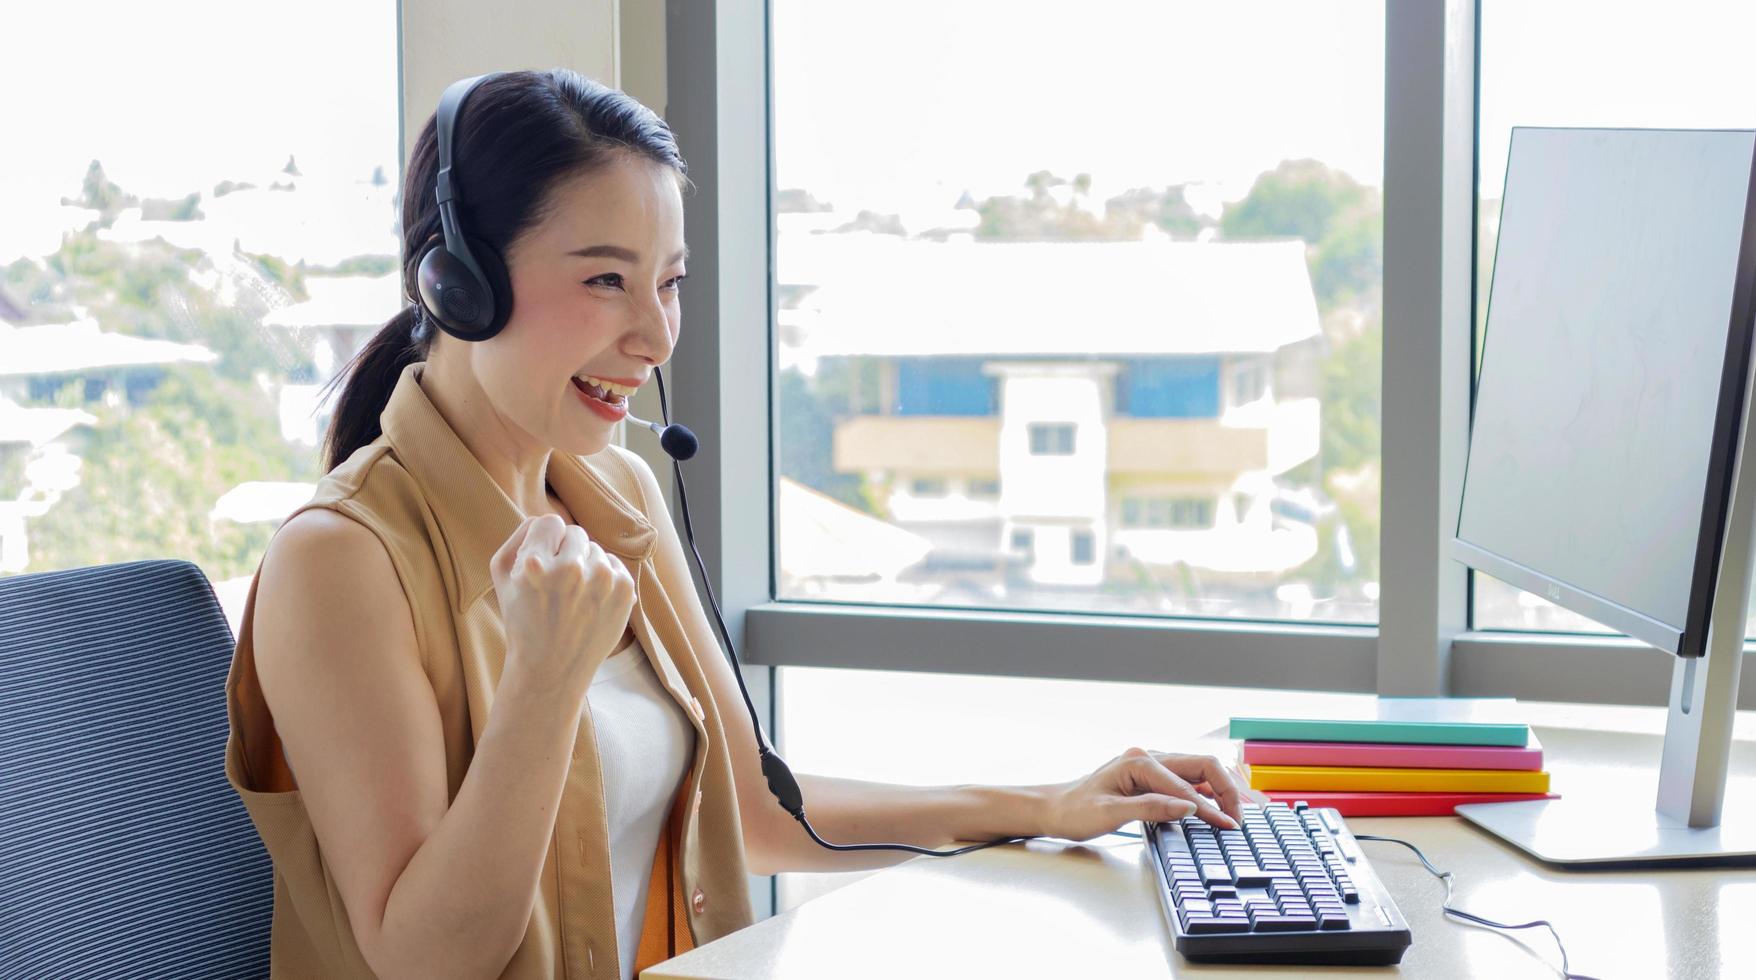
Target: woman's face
[[595, 296]]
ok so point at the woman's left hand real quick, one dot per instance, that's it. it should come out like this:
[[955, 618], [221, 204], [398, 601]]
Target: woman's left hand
[[1142, 785]]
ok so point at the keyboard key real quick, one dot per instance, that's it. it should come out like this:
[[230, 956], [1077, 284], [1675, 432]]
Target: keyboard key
[[1216, 874], [1218, 892], [1283, 923], [1249, 877], [1332, 920], [1201, 926]]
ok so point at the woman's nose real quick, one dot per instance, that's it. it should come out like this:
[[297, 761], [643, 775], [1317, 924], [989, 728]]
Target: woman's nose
[[651, 339]]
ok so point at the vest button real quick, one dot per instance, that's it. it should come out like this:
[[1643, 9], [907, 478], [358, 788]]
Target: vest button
[[699, 902]]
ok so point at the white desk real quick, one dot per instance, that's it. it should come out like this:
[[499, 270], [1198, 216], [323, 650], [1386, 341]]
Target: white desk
[[1065, 910]]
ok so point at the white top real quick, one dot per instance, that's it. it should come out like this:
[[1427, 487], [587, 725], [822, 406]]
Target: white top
[[645, 744]]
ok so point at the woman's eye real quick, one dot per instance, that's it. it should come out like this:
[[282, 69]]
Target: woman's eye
[[606, 280]]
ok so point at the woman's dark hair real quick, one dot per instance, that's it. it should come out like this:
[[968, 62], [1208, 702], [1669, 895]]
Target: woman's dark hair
[[519, 135]]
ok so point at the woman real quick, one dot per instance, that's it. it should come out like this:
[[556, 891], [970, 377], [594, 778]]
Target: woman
[[518, 750]]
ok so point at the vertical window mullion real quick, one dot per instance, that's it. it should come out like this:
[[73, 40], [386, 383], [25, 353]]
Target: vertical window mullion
[[1429, 200]]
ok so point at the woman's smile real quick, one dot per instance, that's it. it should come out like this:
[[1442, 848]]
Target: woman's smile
[[608, 405]]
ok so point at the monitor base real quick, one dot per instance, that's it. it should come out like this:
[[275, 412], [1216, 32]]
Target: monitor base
[[1585, 835]]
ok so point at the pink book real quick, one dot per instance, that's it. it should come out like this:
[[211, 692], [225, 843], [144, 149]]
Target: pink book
[[1392, 755]]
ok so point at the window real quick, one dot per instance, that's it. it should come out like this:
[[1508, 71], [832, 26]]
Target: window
[[927, 486], [1051, 439], [988, 275], [1083, 547], [1023, 541], [1170, 388], [985, 489], [1681, 66], [942, 386], [165, 228], [1249, 382], [1183, 513]]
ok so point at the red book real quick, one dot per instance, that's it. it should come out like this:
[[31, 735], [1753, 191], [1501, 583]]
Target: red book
[[1397, 804]]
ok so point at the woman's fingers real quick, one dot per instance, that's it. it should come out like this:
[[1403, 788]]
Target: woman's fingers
[[545, 535], [1223, 784], [1151, 807], [501, 563], [1152, 774]]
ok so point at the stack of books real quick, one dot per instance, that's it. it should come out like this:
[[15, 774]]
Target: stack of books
[[1417, 757]]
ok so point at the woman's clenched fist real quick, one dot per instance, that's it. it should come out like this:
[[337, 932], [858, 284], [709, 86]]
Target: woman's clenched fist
[[565, 603]]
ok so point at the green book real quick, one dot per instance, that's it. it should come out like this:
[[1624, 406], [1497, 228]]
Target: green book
[[1417, 721]]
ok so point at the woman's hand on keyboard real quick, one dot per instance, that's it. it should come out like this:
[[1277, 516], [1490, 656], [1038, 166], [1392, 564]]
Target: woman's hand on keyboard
[[1142, 785]]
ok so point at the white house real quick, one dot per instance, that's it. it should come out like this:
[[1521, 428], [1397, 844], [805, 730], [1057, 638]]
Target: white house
[[1059, 406]]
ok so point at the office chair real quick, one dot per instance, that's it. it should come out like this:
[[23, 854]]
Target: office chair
[[123, 851]]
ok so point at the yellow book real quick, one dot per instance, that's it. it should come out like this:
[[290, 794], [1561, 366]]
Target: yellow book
[[1357, 779]]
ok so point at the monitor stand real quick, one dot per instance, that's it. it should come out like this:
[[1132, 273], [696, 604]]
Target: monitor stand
[[1685, 827]]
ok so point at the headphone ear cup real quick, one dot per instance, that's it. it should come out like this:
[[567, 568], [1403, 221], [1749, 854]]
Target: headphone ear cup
[[494, 270], [453, 295]]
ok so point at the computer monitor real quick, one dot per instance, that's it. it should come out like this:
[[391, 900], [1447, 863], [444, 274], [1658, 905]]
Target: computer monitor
[[1611, 417]]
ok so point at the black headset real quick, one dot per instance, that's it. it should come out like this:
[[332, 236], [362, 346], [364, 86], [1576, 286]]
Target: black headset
[[463, 283]]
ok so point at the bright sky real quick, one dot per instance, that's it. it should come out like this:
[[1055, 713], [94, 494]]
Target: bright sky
[[175, 96], [873, 109]]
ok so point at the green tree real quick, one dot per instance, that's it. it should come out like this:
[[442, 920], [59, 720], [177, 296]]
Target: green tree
[[1041, 217], [1353, 400], [1341, 222], [152, 471], [151, 475], [1167, 207], [186, 208], [147, 290], [1340, 219], [101, 194]]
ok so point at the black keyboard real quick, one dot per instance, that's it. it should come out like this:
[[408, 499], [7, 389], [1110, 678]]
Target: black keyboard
[[1290, 886]]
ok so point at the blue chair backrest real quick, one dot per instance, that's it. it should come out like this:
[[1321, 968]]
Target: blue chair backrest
[[123, 851]]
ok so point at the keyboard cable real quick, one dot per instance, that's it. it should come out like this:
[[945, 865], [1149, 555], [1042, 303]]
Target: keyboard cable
[[1445, 876]]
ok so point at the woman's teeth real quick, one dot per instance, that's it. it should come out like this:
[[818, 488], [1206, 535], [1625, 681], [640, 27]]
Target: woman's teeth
[[604, 391]]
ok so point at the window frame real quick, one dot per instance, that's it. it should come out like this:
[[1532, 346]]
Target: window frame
[[721, 102]]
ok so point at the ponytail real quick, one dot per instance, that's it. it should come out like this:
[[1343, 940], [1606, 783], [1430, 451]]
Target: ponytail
[[371, 376]]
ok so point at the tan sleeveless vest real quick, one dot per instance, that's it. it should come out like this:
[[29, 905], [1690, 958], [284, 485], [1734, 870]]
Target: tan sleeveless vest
[[441, 518]]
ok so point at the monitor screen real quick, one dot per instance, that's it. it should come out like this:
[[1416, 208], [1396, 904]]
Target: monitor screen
[[1600, 444]]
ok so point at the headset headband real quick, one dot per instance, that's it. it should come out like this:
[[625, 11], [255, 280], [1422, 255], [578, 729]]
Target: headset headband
[[450, 105]]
